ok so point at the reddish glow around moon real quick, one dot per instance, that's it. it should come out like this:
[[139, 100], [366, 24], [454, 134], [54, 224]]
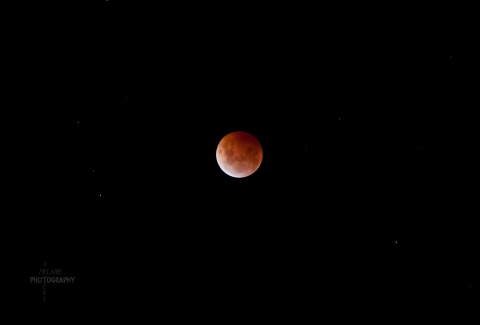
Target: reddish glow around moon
[[239, 154]]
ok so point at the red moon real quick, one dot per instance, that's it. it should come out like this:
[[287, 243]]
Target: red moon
[[239, 154]]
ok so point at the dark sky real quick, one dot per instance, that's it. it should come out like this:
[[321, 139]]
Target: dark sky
[[358, 211]]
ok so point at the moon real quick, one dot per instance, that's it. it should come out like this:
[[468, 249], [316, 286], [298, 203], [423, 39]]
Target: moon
[[239, 154]]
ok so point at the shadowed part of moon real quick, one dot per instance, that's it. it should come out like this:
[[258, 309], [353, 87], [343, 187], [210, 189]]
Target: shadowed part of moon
[[239, 154]]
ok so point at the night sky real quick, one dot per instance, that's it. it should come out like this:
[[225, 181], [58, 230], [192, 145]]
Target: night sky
[[358, 213]]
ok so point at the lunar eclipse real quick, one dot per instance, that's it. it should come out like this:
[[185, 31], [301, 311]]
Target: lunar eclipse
[[239, 154]]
